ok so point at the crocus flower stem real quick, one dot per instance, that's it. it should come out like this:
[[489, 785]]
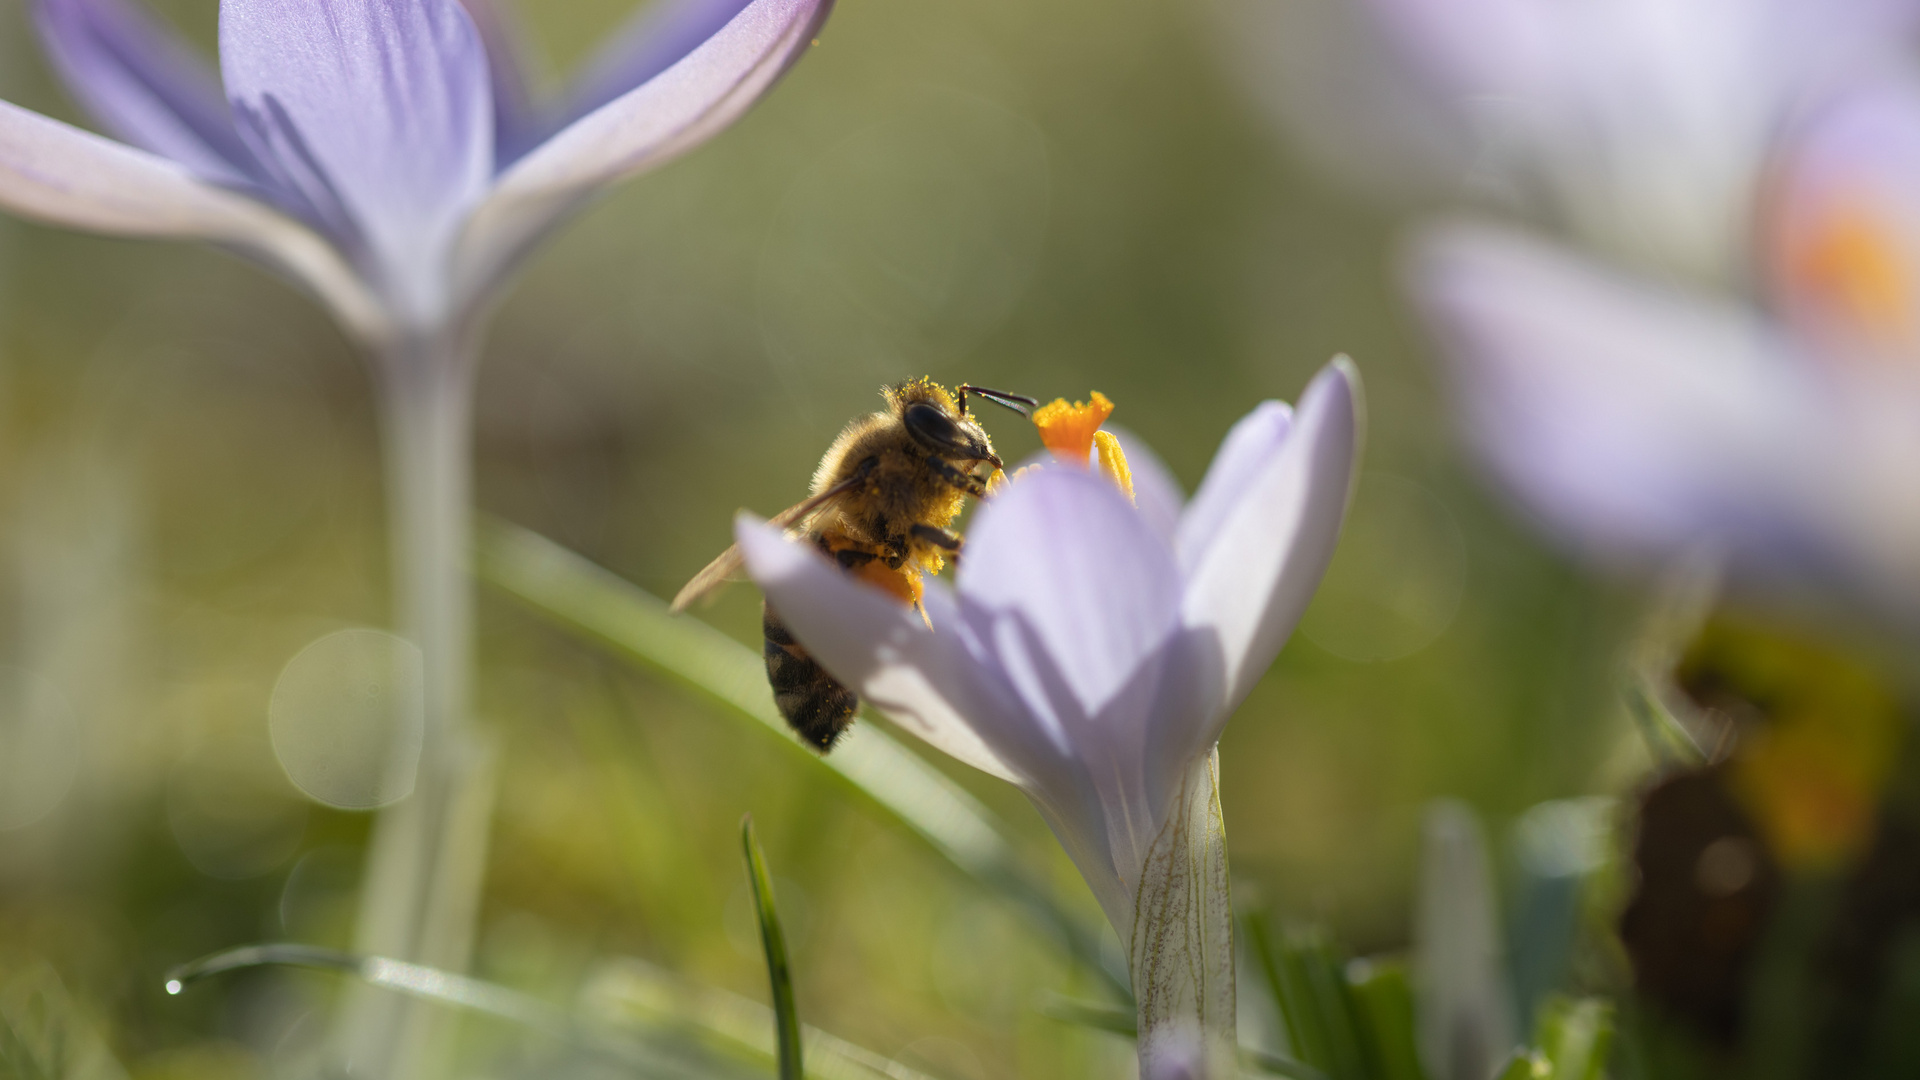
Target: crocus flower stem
[[422, 891]]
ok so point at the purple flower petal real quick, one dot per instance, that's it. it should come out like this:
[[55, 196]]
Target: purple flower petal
[[1156, 494], [1844, 258], [1251, 444], [376, 113], [1251, 584], [517, 122], [144, 84], [1638, 421], [676, 110], [874, 644], [57, 173], [657, 37], [1099, 593]]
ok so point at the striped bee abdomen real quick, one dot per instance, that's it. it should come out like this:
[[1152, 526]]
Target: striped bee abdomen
[[816, 706]]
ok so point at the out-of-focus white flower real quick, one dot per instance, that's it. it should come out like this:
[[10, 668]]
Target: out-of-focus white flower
[[1091, 653], [1642, 420], [1638, 126]]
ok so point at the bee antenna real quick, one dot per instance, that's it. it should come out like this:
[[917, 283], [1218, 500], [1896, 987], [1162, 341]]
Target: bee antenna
[[1019, 403]]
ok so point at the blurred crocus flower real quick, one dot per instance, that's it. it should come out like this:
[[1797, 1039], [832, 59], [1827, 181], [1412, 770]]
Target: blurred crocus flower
[[1639, 127], [1645, 422], [1091, 653], [385, 153]]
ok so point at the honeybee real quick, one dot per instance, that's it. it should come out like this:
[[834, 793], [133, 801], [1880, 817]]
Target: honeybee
[[884, 496]]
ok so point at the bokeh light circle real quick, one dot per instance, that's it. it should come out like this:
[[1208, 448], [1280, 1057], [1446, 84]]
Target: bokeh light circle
[[348, 716]]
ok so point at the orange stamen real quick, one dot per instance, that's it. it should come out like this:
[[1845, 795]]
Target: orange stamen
[[1068, 430]]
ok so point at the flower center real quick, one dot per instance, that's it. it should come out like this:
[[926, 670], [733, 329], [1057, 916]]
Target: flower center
[[1850, 264], [1073, 433]]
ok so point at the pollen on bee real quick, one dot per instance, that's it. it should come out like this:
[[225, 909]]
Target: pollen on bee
[[904, 585]]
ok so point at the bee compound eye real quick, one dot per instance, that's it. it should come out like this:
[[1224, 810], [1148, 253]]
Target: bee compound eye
[[930, 425]]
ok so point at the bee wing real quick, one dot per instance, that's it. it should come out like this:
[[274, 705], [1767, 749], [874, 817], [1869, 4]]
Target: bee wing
[[728, 565]]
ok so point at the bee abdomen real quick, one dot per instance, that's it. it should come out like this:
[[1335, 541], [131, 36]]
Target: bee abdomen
[[814, 704]]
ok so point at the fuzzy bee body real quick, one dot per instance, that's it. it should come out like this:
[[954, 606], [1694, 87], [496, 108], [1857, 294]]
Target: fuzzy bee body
[[884, 497]]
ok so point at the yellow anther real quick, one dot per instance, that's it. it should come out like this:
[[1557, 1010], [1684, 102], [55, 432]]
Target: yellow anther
[[996, 483], [1068, 430], [1113, 461]]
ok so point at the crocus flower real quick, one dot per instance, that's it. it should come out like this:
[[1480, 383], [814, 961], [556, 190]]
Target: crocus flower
[[386, 155], [1643, 421], [1090, 652], [1637, 126]]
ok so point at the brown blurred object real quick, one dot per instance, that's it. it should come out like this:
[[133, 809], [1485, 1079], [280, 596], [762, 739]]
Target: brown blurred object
[[1706, 889]]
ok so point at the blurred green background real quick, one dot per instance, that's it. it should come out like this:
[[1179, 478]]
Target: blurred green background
[[1047, 197]]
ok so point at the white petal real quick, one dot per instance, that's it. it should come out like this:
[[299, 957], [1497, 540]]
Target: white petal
[[1253, 581], [57, 173], [872, 643], [1156, 494], [1643, 422], [670, 113], [1251, 444], [1063, 551]]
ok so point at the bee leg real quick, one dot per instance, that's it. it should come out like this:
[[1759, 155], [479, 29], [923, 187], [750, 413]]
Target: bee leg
[[938, 537], [851, 559], [945, 539], [964, 481]]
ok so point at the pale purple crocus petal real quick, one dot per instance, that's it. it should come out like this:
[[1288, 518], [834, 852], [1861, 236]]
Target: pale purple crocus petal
[[1063, 553], [1073, 601], [1843, 226], [59, 174], [1639, 422], [657, 37], [673, 112], [1156, 494], [144, 84], [378, 114], [1251, 444], [872, 643], [517, 122], [1251, 584]]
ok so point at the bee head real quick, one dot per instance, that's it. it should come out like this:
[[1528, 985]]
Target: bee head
[[932, 418]]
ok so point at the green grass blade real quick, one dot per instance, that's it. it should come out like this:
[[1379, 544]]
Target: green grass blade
[[1524, 1064], [631, 1013], [786, 1018], [1667, 739], [1272, 1064], [636, 626], [1384, 999], [1324, 968], [45, 1035], [1575, 1036], [416, 980], [1299, 1014]]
